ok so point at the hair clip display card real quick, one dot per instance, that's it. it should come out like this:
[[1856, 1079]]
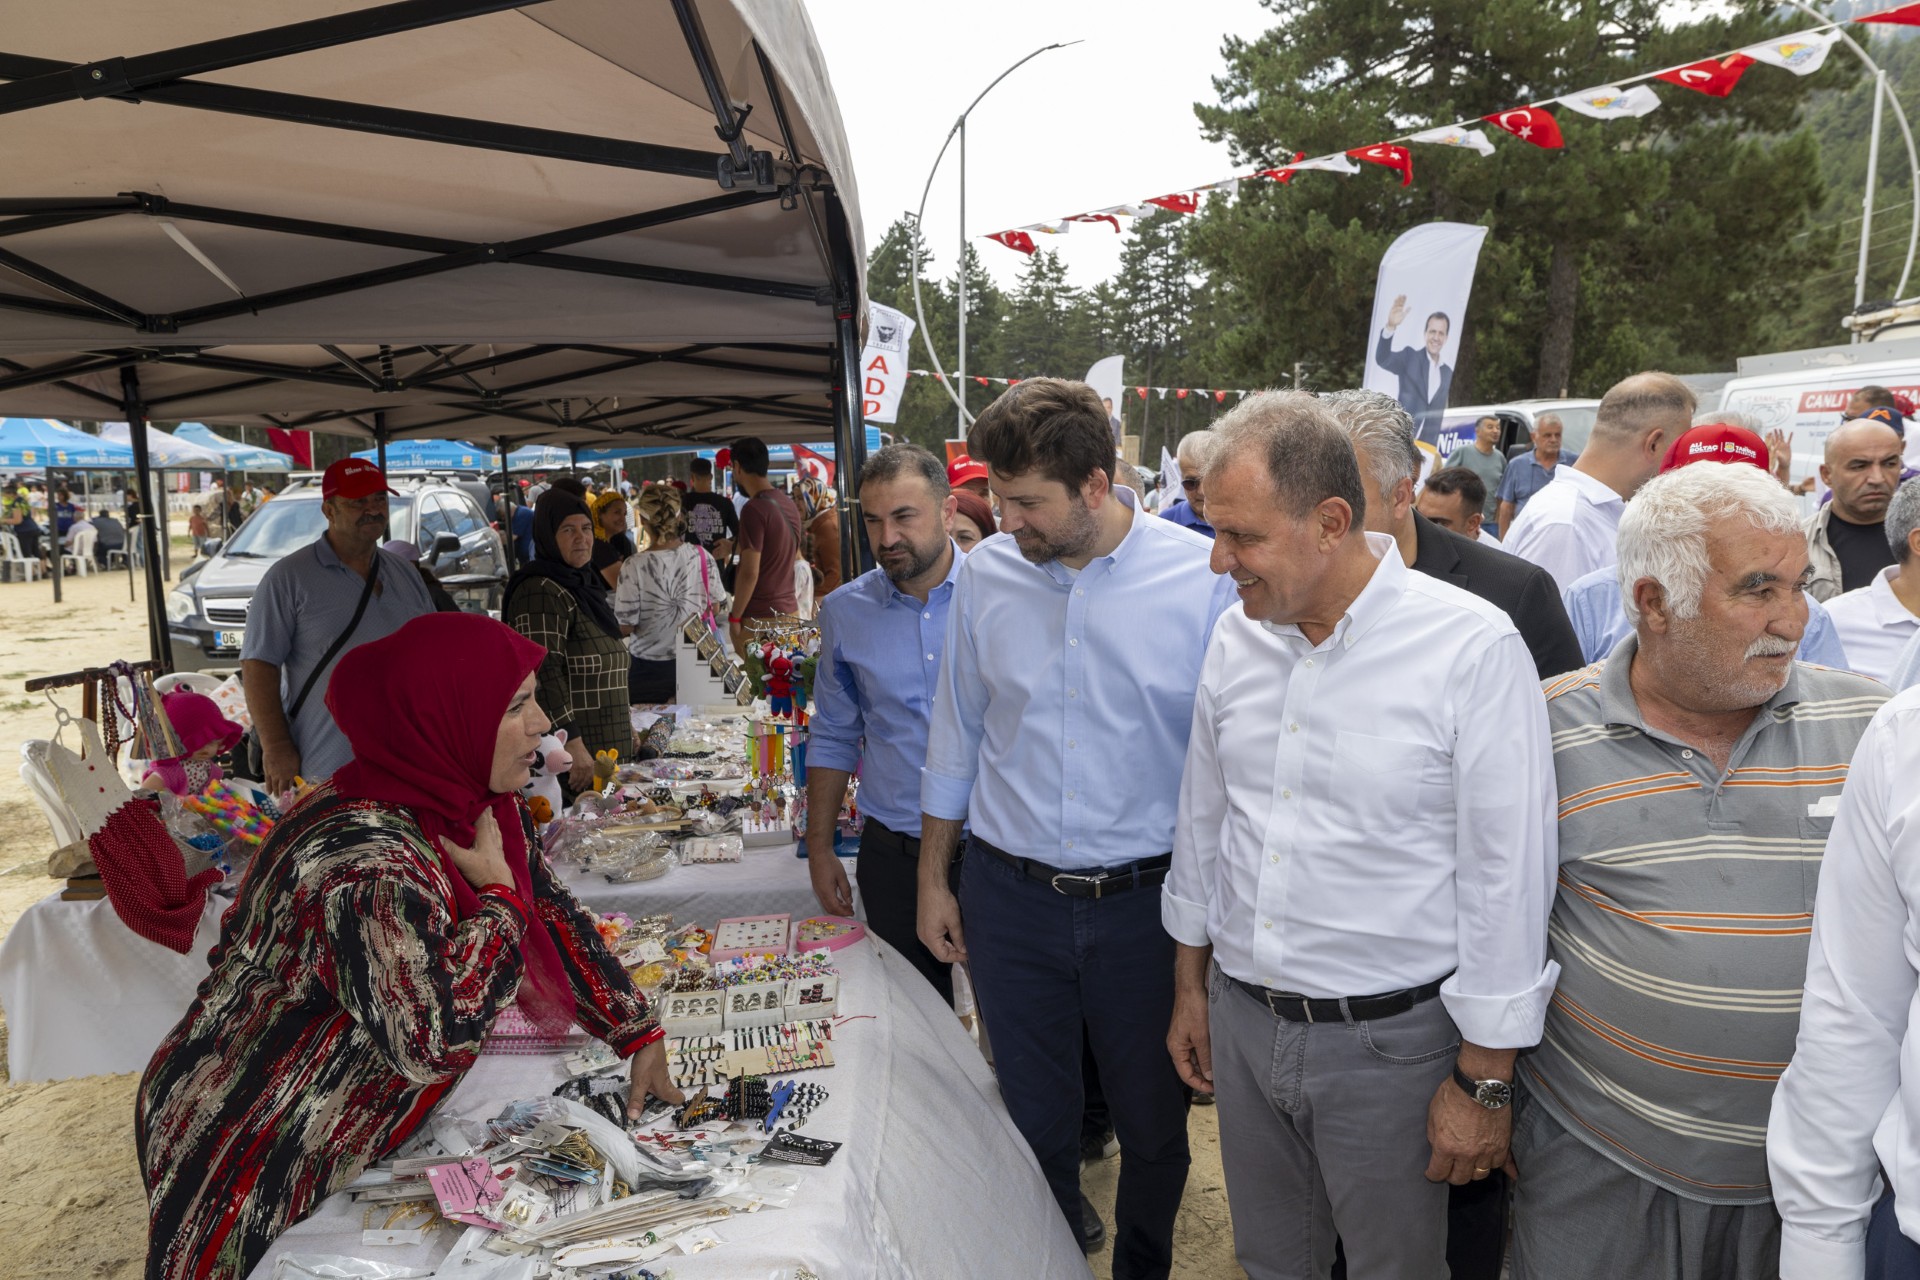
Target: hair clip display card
[[751, 935]]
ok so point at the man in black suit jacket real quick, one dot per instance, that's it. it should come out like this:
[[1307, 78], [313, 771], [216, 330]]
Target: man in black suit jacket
[[1425, 383]]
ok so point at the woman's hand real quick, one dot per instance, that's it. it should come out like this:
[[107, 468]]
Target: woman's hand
[[650, 1076], [580, 775], [486, 862]]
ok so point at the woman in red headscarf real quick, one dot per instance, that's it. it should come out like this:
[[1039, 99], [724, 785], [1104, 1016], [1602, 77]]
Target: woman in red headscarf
[[379, 930]]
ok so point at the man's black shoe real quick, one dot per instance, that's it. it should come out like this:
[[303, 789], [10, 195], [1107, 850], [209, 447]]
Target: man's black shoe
[[1093, 1232], [1099, 1145]]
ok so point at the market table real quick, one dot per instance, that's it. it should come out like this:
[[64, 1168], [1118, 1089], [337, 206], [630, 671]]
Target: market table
[[84, 995], [933, 1181], [764, 880]]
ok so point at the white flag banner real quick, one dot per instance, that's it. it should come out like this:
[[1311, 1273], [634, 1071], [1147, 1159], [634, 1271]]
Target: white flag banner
[[1454, 136], [1610, 102], [1419, 309], [1335, 163], [883, 363], [1169, 476], [1058, 227], [1801, 54]]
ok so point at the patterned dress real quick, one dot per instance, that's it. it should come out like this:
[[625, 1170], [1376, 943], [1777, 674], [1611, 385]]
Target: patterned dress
[[583, 682], [343, 1005]]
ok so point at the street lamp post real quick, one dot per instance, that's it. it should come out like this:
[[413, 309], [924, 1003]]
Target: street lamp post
[[960, 274]]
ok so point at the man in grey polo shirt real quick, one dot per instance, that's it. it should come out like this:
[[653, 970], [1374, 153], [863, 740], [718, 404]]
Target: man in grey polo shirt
[[1699, 770], [303, 604]]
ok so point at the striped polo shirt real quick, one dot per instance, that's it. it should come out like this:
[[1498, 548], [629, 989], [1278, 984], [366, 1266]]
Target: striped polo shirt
[[1681, 921]]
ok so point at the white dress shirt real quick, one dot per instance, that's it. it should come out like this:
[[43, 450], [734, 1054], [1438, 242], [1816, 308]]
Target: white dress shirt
[[1569, 527], [1874, 627], [1488, 538], [1376, 811], [1906, 672], [1848, 1105]]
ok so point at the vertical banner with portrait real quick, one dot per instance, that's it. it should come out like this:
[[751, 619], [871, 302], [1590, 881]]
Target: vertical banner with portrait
[[1419, 310], [883, 363], [1105, 377]]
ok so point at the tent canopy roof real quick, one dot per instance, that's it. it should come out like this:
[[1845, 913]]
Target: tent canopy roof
[[477, 220]]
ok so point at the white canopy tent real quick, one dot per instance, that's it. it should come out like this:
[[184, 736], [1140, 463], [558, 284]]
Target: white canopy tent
[[561, 221]]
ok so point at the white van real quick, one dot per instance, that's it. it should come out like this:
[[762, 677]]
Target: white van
[[1804, 392], [1516, 424]]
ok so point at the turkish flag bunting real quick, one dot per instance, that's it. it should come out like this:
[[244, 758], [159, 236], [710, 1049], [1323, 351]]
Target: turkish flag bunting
[[1907, 15], [1181, 394], [1182, 202], [1529, 124], [1141, 392], [1220, 397], [984, 381], [1711, 77], [1097, 217], [1014, 240], [817, 465], [1399, 159], [1285, 172]]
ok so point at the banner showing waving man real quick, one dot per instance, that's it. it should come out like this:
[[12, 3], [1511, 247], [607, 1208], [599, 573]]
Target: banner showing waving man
[[1426, 277]]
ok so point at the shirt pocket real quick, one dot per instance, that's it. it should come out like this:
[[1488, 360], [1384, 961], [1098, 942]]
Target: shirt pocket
[[1387, 784]]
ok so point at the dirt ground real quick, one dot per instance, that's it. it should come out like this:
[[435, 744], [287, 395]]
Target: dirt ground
[[70, 1197]]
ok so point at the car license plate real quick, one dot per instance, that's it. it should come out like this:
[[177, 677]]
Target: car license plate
[[228, 639]]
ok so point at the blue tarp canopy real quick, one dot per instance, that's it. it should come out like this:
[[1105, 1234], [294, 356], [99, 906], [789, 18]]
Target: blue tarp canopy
[[435, 455], [777, 454], [165, 452], [236, 456], [34, 444]]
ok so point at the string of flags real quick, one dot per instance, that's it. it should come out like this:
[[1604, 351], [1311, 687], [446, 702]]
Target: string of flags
[[1802, 53], [1217, 394]]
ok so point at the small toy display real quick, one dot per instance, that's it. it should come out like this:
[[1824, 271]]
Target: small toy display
[[550, 764]]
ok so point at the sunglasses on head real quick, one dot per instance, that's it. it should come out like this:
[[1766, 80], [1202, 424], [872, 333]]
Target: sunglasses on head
[[1189, 483]]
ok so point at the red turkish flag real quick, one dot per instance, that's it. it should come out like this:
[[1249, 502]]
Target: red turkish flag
[[1397, 158], [1284, 174], [296, 444], [1907, 15], [984, 381], [1141, 391], [1711, 77], [1181, 394], [1529, 124], [809, 463], [1220, 397], [1097, 217], [1014, 240], [1180, 202]]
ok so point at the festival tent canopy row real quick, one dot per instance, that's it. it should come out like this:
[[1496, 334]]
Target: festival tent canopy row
[[34, 444], [459, 455], [165, 452], [234, 456]]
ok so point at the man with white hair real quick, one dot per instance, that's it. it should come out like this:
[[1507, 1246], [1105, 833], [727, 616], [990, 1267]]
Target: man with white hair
[[1568, 529], [1194, 449], [1876, 622], [1698, 767]]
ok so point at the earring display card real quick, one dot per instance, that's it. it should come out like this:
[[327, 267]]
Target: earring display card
[[755, 1004], [813, 997], [751, 935]]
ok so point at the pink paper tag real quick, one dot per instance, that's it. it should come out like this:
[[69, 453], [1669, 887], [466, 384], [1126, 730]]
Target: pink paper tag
[[466, 1189]]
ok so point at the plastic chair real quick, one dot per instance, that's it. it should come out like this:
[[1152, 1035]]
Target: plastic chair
[[194, 681], [15, 564], [81, 557]]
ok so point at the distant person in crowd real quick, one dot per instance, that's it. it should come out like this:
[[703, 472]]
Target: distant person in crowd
[[659, 589], [1455, 498], [612, 543], [1113, 420], [769, 543], [1869, 398], [313, 607], [1425, 383], [712, 521], [964, 475], [1190, 511], [536, 491], [1079, 636], [1878, 621], [1697, 766], [1569, 528], [557, 601], [80, 524], [881, 638], [1528, 473], [1847, 538], [1595, 602], [972, 521], [108, 535], [16, 516], [820, 544], [1363, 861], [1381, 433], [1482, 456], [379, 931], [1842, 1143], [64, 512], [131, 512], [519, 527]]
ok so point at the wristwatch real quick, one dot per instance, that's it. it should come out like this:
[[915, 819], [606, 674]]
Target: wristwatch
[[1494, 1095]]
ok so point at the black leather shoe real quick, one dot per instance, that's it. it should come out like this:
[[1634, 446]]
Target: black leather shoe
[[1093, 1232], [1098, 1146]]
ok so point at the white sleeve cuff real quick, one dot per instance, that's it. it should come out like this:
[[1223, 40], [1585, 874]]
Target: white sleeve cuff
[[1804, 1256], [1501, 1022], [944, 797], [1185, 920]]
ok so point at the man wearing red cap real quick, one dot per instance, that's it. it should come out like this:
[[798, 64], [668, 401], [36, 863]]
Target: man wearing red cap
[[310, 608], [964, 473]]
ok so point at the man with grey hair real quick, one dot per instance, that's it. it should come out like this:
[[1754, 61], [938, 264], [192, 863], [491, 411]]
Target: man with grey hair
[[1362, 866], [1191, 510], [1568, 529], [1876, 622], [1381, 432], [1698, 769]]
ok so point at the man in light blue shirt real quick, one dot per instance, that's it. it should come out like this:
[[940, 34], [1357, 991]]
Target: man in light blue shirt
[[881, 637], [1074, 644]]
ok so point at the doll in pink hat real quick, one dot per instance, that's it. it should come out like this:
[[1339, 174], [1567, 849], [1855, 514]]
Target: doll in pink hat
[[204, 735]]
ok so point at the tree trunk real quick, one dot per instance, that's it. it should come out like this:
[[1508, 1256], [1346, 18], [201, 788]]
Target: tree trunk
[[1556, 342]]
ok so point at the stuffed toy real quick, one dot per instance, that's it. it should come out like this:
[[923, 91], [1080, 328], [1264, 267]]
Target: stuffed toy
[[205, 735], [779, 682], [550, 764]]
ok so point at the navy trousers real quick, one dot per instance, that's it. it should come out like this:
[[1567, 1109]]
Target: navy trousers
[[1890, 1255], [1043, 965]]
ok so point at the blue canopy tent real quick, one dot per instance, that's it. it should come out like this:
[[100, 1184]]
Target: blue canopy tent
[[34, 444], [236, 456], [777, 454], [434, 455]]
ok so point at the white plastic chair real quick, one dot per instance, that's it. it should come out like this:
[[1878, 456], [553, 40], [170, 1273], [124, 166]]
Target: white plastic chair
[[193, 681], [15, 564], [81, 557]]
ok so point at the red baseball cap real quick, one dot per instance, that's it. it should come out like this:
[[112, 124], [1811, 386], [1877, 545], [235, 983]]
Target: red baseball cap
[[352, 478], [963, 469], [1717, 442]]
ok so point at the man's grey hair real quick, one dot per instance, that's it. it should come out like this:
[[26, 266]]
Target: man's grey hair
[[1194, 451], [886, 465], [1375, 422], [1301, 444], [1727, 418], [1903, 517], [1665, 530]]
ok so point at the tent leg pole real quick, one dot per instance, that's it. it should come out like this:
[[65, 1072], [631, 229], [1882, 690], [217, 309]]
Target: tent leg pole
[[380, 447], [161, 641], [849, 422], [507, 502], [53, 532]]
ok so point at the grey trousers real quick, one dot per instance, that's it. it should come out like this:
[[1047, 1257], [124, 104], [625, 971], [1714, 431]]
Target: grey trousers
[[1323, 1132], [1580, 1216]]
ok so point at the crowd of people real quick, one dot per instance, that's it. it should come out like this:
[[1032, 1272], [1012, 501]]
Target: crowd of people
[[37, 520]]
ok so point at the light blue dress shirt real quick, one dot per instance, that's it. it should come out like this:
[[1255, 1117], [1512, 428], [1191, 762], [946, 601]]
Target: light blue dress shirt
[[1065, 699], [1600, 620], [879, 665]]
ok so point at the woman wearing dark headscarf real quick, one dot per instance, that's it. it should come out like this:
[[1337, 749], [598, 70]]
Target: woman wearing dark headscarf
[[559, 602], [378, 931]]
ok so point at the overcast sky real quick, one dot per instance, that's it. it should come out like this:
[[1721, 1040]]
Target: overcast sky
[[1105, 122]]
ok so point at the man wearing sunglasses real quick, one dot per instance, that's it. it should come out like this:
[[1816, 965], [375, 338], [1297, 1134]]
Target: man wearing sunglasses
[[1191, 509]]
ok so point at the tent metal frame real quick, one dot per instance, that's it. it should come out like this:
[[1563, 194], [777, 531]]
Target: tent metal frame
[[745, 176]]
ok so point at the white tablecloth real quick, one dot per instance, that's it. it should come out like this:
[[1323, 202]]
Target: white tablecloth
[[933, 1180], [84, 995], [763, 882]]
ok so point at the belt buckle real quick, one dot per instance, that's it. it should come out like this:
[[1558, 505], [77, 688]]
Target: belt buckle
[[1096, 881], [1306, 1006]]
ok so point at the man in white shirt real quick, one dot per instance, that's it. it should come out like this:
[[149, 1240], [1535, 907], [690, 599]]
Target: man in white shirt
[[1876, 622], [1568, 529], [1362, 865], [1843, 1143]]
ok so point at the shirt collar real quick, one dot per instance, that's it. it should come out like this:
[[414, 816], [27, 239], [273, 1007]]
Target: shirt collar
[[323, 552], [1376, 599], [1598, 492], [1619, 706], [1887, 609], [1125, 496]]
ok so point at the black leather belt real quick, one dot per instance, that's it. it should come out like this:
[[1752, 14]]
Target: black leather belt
[[1297, 1008], [1144, 874]]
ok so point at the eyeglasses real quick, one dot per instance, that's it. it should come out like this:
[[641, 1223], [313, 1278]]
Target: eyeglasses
[[1189, 483]]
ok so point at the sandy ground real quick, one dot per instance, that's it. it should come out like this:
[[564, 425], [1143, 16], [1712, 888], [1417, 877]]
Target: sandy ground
[[71, 1203]]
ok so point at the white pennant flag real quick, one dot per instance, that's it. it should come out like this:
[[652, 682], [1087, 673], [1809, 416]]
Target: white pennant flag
[[1058, 227], [1335, 163], [1610, 102], [1454, 136], [1801, 54]]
